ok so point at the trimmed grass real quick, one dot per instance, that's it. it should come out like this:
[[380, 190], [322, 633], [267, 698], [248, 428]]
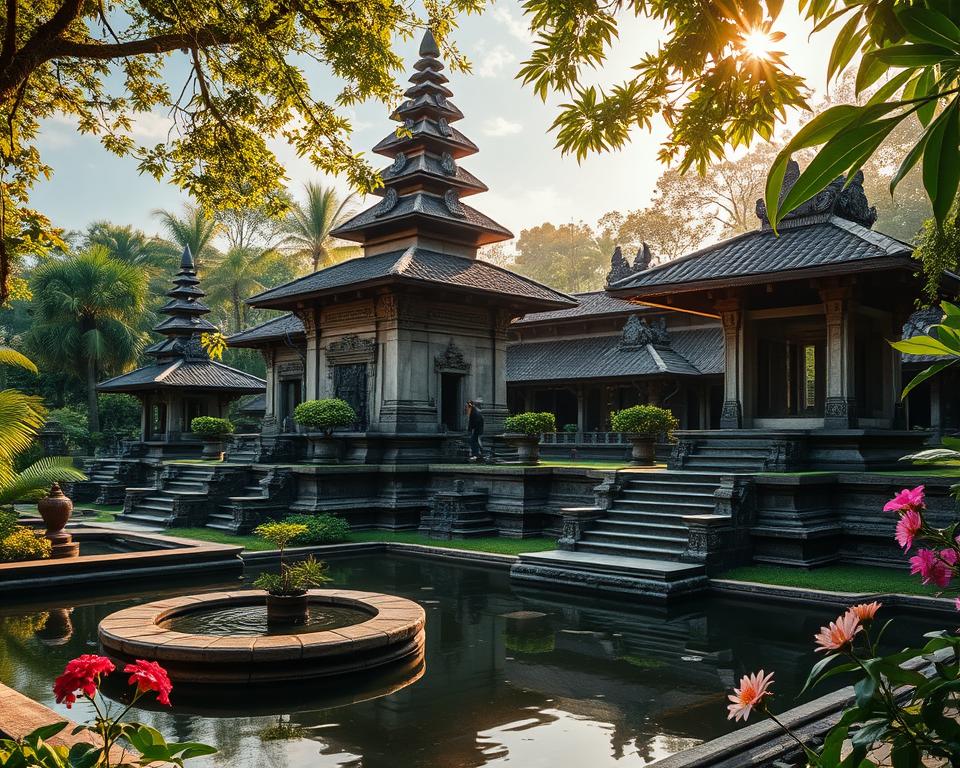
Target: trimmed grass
[[494, 544], [587, 464], [833, 578], [106, 513]]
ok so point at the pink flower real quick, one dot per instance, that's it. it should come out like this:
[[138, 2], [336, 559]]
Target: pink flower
[[932, 569], [81, 674], [906, 499], [956, 603], [753, 689], [864, 611], [839, 634], [150, 676], [908, 526]]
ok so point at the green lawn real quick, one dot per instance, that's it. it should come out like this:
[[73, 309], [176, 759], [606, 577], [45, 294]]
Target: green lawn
[[833, 578], [493, 544]]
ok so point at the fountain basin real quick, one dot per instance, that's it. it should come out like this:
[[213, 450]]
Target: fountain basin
[[392, 632]]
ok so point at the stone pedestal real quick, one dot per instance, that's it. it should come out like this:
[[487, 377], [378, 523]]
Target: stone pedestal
[[458, 513], [55, 509]]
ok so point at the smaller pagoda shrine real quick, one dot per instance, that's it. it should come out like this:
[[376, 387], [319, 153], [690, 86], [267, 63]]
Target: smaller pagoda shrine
[[183, 382]]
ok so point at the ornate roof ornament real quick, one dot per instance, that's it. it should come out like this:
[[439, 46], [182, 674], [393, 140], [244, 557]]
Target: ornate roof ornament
[[444, 127], [452, 200], [637, 332], [447, 165], [451, 359], [399, 163], [643, 259], [619, 267], [389, 202], [848, 201]]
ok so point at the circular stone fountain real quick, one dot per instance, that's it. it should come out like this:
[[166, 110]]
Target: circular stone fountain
[[223, 637]]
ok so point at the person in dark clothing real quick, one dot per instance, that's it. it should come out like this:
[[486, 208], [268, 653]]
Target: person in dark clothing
[[475, 428]]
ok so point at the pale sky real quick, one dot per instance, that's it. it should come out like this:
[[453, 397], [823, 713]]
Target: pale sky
[[530, 182]]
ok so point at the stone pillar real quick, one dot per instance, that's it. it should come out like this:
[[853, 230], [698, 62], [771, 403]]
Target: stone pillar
[[312, 362], [895, 363], [840, 408], [731, 318], [270, 396], [581, 409]]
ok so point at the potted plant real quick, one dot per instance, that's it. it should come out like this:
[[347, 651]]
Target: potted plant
[[287, 591], [212, 431], [321, 417], [523, 430], [642, 424]]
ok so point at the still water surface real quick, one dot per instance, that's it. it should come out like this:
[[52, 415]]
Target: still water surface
[[587, 684]]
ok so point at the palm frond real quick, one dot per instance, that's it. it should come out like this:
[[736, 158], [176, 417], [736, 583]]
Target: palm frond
[[21, 417], [10, 356], [37, 478]]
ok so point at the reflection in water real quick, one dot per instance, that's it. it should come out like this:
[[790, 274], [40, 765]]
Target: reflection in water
[[511, 676]]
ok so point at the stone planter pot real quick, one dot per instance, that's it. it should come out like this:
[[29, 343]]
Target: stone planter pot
[[642, 453], [55, 509], [212, 448], [528, 447], [286, 609], [323, 448]]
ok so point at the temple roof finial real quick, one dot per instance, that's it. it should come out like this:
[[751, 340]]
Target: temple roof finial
[[186, 260], [428, 46]]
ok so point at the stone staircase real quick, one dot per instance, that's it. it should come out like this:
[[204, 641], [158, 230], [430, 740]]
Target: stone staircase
[[183, 497], [244, 449], [261, 498], [645, 518], [107, 481]]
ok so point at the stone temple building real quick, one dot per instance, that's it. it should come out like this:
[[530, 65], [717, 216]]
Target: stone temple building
[[183, 382], [418, 325]]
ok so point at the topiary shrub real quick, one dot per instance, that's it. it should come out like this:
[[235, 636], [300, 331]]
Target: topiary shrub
[[321, 529], [325, 415], [569, 428], [210, 426], [24, 544], [644, 420], [531, 423]]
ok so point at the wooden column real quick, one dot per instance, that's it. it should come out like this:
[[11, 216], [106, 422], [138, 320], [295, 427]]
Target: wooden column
[[840, 408], [731, 318]]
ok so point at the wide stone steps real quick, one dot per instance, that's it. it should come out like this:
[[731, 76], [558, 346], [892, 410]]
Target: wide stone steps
[[658, 540], [639, 527], [630, 550], [220, 521], [668, 492], [632, 517]]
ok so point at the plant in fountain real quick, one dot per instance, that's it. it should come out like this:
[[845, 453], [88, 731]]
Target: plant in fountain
[[287, 590], [321, 417], [113, 742], [643, 425], [524, 430], [212, 431]]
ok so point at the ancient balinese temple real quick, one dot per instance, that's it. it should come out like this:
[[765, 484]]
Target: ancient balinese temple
[[182, 382], [415, 327]]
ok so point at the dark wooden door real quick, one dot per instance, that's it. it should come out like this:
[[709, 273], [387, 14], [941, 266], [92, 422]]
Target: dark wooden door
[[350, 384]]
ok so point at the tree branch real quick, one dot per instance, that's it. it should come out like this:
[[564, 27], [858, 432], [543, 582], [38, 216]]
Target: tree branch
[[9, 35]]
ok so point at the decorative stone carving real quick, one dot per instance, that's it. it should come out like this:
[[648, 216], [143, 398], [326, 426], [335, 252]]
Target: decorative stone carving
[[53, 438], [731, 416], [444, 127], [452, 200], [619, 268], [451, 359], [352, 347], [399, 163], [447, 165], [849, 203], [680, 453], [643, 259], [388, 203], [387, 307], [784, 456], [637, 332]]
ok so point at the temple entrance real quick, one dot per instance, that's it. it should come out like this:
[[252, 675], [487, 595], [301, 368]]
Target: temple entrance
[[157, 423], [290, 397], [350, 384], [791, 374], [451, 402]]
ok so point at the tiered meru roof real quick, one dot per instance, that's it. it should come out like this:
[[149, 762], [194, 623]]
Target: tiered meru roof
[[181, 361], [421, 202]]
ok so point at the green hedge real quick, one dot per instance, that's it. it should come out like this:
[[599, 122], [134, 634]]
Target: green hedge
[[644, 420], [531, 423], [321, 529], [210, 426], [325, 414]]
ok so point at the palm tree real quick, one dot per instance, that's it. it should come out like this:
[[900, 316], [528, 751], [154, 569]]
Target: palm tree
[[21, 418], [309, 223], [241, 272], [86, 313], [124, 243], [195, 229]]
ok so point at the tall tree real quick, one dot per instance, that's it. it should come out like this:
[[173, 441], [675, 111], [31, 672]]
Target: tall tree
[[239, 274], [567, 257], [86, 313], [309, 223], [193, 228]]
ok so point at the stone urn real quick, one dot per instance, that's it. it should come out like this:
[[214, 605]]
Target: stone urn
[[55, 509], [642, 450], [212, 448], [528, 446], [286, 609], [324, 448]]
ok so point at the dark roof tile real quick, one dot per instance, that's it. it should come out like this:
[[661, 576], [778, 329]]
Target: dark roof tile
[[285, 326], [185, 374]]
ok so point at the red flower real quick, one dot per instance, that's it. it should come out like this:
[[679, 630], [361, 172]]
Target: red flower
[[150, 676], [81, 674], [908, 498]]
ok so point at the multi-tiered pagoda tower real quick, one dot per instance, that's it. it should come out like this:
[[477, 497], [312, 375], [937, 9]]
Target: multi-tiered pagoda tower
[[184, 382], [417, 326]]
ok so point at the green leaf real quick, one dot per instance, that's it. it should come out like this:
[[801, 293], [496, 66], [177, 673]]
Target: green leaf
[[864, 689], [45, 732], [910, 159], [844, 47], [925, 374], [87, 758], [869, 733], [922, 345], [929, 26], [915, 55], [941, 161], [904, 754]]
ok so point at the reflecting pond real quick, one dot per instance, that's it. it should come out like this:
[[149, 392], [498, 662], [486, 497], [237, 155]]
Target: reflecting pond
[[512, 676]]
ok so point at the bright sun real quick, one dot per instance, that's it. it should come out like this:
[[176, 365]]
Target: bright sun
[[757, 43]]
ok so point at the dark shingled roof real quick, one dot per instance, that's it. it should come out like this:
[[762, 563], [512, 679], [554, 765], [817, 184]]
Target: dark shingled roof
[[283, 327], [591, 304], [601, 357], [431, 166], [832, 242], [185, 374], [254, 404], [419, 266], [917, 325]]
